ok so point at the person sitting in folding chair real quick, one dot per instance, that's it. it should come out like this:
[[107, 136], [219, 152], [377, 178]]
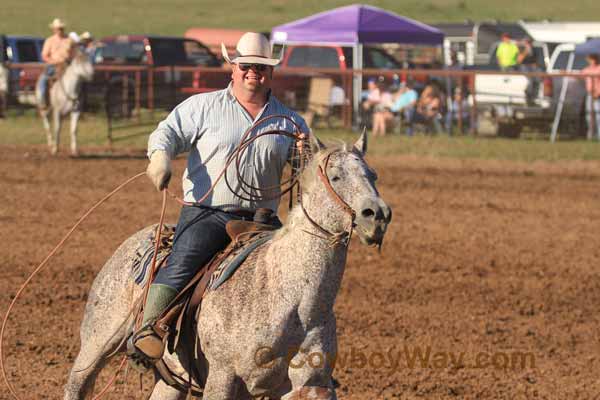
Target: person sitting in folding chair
[[428, 111]]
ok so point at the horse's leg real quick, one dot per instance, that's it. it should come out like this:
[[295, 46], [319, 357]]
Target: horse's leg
[[74, 122], [46, 122], [107, 318], [102, 331], [311, 381], [162, 391], [57, 121]]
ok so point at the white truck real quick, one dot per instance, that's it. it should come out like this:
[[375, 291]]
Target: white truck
[[501, 101], [502, 104]]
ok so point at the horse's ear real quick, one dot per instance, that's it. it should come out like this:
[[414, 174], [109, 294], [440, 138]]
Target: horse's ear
[[316, 144], [361, 144]]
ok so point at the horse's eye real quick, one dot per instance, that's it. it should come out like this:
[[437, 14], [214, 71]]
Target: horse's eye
[[335, 178]]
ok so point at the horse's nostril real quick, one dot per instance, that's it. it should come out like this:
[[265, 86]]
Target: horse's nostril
[[368, 213]]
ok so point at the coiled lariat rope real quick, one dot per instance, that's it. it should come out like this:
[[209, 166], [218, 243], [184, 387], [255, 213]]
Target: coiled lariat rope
[[299, 157]]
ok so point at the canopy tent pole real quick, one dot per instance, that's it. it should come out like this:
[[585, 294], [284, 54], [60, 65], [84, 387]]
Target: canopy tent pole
[[561, 99], [357, 64]]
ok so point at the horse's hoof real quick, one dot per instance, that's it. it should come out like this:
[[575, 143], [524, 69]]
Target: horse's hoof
[[54, 151], [75, 154]]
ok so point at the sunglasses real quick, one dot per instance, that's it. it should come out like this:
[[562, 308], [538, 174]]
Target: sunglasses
[[256, 67]]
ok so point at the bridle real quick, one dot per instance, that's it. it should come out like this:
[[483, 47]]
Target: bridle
[[342, 237]]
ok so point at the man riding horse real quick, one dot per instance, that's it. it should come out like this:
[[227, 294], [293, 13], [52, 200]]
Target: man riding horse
[[210, 127], [56, 52]]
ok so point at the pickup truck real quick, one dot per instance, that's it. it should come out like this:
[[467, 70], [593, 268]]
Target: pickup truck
[[170, 86], [294, 89], [24, 49], [502, 105]]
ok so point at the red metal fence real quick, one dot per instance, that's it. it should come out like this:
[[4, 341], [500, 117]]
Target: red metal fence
[[493, 102]]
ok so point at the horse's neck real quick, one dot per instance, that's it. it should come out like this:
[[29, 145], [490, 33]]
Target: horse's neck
[[71, 81], [309, 268]]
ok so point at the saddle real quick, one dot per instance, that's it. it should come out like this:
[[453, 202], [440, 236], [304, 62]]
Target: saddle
[[59, 71], [177, 324]]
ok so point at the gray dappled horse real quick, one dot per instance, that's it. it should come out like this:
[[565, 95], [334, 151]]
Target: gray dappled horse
[[280, 300], [64, 99]]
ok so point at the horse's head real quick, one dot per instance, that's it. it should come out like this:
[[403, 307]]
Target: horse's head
[[346, 184], [82, 65]]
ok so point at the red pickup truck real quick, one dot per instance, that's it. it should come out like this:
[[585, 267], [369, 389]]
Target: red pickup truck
[[324, 56], [170, 85]]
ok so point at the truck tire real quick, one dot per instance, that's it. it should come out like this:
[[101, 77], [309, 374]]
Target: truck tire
[[509, 130]]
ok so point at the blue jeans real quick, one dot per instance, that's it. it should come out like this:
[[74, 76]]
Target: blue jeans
[[588, 115], [43, 82], [200, 234]]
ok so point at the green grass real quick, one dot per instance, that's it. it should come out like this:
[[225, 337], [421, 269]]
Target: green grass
[[173, 17], [27, 130]]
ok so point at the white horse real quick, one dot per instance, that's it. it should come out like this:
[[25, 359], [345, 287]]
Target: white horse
[[257, 329], [64, 99]]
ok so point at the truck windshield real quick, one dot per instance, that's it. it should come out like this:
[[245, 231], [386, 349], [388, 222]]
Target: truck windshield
[[26, 50], [562, 60], [122, 52], [314, 57], [167, 51], [373, 57]]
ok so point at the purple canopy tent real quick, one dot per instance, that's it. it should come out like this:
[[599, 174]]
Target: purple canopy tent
[[354, 26]]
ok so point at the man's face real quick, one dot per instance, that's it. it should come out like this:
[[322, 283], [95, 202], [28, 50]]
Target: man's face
[[59, 31], [252, 77]]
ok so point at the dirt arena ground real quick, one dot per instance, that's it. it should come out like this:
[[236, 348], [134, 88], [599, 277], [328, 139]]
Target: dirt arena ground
[[490, 268]]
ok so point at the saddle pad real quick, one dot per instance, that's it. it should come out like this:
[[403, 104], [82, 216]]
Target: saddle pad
[[140, 269], [228, 266]]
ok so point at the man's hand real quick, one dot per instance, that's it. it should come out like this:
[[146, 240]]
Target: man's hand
[[159, 169]]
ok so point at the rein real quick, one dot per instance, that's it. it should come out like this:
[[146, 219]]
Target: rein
[[339, 237]]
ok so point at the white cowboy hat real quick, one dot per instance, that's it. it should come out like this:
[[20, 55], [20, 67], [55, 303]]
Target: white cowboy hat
[[85, 36], [57, 23], [252, 48]]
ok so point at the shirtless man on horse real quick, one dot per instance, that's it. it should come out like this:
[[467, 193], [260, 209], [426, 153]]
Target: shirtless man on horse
[[55, 53]]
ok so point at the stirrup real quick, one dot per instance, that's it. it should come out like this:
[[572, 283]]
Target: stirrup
[[144, 348]]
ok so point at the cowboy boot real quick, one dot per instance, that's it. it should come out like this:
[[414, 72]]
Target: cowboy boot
[[145, 347]]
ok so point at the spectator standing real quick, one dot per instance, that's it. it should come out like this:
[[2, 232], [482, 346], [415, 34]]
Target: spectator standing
[[4, 76], [507, 53], [460, 110], [528, 63], [592, 85]]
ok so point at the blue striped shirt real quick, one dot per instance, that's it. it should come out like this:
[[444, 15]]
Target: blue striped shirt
[[210, 126]]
